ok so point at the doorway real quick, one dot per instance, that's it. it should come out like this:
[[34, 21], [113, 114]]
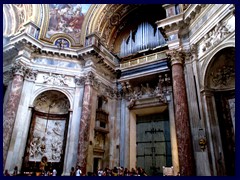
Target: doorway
[[153, 143], [225, 104], [96, 164]]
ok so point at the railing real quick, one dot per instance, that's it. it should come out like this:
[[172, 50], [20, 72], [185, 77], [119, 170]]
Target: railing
[[143, 59]]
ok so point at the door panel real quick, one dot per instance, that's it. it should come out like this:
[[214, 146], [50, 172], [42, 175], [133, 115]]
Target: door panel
[[153, 143]]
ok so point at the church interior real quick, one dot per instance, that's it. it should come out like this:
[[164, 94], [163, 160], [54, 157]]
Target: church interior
[[119, 89]]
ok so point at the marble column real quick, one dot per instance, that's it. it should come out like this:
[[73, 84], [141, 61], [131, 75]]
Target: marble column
[[185, 152], [11, 106], [83, 141], [22, 122]]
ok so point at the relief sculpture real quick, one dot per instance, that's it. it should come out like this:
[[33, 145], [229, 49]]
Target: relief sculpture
[[47, 140]]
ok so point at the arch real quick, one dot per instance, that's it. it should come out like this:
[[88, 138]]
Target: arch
[[110, 21], [16, 15], [44, 89], [210, 57], [71, 26]]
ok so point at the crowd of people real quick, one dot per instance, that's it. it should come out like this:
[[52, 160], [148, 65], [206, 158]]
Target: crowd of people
[[116, 171]]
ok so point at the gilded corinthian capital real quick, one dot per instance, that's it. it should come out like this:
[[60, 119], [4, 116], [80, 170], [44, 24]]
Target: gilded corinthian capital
[[176, 56]]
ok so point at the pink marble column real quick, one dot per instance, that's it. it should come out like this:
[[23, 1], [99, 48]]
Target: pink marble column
[[184, 142], [83, 141], [11, 107]]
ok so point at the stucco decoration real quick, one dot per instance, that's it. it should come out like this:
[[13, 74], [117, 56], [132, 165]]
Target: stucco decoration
[[217, 34], [47, 139], [221, 74], [52, 102], [56, 79], [67, 19]]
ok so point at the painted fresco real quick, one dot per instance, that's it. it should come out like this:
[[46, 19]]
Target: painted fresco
[[67, 18]]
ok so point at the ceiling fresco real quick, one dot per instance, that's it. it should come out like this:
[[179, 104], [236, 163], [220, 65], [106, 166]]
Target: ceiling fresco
[[66, 18]]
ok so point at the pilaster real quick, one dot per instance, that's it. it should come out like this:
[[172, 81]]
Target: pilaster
[[83, 141], [11, 106]]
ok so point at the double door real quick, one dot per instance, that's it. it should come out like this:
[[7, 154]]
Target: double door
[[153, 143]]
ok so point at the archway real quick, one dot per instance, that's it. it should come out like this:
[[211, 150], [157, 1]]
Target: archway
[[46, 141], [220, 82]]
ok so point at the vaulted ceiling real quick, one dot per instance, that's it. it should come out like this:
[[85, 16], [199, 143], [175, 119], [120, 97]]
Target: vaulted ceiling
[[111, 22]]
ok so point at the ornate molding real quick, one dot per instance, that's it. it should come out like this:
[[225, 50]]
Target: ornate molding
[[31, 75], [144, 91], [194, 52], [80, 81], [56, 79], [89, 78], [96, 83], [18, 69], [105, 90], [216, 35]]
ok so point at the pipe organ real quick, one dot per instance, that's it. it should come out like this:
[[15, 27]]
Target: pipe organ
[[144, 38]]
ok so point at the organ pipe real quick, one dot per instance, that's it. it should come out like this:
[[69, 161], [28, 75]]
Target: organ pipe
[[143, 39]]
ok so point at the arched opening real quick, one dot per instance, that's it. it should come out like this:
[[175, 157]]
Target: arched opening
[[221, 82], [138, 31], [45, 148]]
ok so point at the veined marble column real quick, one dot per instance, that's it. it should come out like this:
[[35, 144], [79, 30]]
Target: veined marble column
[[184, 142], [83, 141], [21, 124], [11, 107]]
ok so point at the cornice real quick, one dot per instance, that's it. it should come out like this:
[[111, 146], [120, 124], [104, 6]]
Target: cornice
[[100, 52]]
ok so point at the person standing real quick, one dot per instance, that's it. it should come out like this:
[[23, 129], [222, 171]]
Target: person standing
[[6, 173], [54, 173], [78, 172], [72, 173], [15, 171]]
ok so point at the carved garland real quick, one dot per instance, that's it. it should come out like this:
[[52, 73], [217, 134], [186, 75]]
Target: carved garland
[[216, 35]]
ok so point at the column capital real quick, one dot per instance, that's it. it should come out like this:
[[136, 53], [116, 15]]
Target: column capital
[[18, 69], [176, 56], [80, 80], [30, 74], [194, 52], [7, 76], [89, 78]]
